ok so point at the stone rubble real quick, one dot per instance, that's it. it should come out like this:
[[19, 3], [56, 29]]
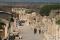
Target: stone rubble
[[47, 25]]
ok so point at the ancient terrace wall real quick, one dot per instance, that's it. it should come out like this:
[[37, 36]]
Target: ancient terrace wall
[[54, 13], [47, 25]]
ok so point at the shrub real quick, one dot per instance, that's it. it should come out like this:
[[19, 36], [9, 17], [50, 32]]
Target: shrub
[[58, 22]]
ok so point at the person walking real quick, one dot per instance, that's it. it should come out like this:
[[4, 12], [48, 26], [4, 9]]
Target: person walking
[[35, 30]]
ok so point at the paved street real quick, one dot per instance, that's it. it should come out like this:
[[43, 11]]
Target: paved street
[[28, 34]]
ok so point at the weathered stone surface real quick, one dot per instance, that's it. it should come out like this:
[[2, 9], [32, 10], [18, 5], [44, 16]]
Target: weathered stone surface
[[47, 25]]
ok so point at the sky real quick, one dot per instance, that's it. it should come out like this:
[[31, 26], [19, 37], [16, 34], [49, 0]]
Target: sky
[[56, 1]]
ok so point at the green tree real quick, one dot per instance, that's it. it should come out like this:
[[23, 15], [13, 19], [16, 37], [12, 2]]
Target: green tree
[[2, 25], [45, 10], [11, 20]]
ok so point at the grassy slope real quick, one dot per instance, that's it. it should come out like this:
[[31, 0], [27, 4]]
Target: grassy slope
[[47, 8]]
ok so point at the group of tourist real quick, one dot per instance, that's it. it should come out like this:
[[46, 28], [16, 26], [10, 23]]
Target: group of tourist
[[35, 31]]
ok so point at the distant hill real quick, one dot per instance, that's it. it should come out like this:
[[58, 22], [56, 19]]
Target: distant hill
[[25, 3]]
